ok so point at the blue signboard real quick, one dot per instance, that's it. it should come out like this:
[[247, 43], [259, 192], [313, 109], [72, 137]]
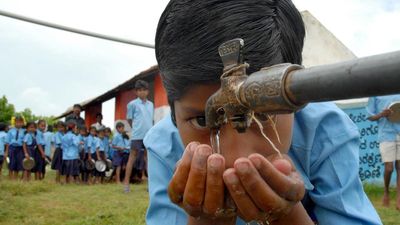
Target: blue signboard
[[371, 167]]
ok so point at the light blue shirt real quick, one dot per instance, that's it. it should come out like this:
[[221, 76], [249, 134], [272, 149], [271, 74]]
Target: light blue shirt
[[70, 144], [57, 139], [387, 130], [106, 144], [94, 145], [29, 138], [48, 137], [89, 144], [12, 136], [324, 150], [100, 145], [141, 113], [3, 137], [40, 137], [82, 143], [119, 141]]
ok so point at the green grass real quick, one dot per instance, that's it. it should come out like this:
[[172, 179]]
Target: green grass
[[45, 202], [389, 216]]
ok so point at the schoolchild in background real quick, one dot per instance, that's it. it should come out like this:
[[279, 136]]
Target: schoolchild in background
[[3, 137], [100, 154], [120, 146], [82, 152], [14, 151], [40, 156], [56, 163], [91, 150], [48, 137], [107, 143], [30, 147], [70, 154], [125, 156]]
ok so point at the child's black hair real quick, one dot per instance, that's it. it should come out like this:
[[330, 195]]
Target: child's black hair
[[61, 123], [71, 124], [3, 126], [82, 128], [141, 84], [77, 106], [50, 128], [125, 136], [108, 129], [92, 128], [119, 124], [190, 32], [41, 121]]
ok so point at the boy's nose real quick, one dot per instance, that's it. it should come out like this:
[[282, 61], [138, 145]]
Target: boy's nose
[[234, 145]]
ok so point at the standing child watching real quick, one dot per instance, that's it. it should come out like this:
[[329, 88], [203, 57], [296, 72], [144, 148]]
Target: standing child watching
[[119, 144], [15, 137], [70, 156], [56, 163], [91, 150], [3, 137], [48, 137], [82, 152], [100, 154], [140, 116], [30, 148], [107, 145], [40, 157]]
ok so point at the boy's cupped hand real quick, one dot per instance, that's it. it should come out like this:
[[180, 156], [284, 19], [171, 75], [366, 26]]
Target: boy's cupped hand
[[262, 189]]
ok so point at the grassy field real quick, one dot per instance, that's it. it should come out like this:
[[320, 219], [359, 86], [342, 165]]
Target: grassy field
[[49, 203]]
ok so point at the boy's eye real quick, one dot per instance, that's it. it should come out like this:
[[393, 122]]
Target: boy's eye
[[198, 122]]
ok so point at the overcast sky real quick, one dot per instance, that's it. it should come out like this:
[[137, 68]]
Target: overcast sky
[[48, 70]]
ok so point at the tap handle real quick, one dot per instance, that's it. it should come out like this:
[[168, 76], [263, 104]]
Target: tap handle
[[231, 53]]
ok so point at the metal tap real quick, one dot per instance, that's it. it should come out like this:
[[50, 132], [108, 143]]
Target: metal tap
[[286, 88]]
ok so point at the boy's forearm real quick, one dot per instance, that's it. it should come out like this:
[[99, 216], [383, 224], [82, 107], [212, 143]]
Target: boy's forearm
[[25, 149]]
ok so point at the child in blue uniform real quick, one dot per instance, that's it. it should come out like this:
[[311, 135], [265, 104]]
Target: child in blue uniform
[[82, 152], [120, 146], [316, 170], [40, 156], [107, 143], [48, 137], [100, 154], [91, 150], [3, 137], [30, 147], [14, 151], [70, 154], [56, 163]]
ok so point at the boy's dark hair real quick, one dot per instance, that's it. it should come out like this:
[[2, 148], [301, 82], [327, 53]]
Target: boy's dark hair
[[93, 128], [71, 124], [99, 114], [77, 106], [119, 124], [30, 123], [61, 123], [190, 32], [50, 128], [82, 128], [3, 126], [19, 117], [141, 84], [41, 121], [108, 129]]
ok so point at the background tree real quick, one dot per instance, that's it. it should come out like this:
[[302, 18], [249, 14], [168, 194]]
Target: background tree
[[7, 110]]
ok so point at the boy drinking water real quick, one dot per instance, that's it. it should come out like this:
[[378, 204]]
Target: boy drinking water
[[316, 180]]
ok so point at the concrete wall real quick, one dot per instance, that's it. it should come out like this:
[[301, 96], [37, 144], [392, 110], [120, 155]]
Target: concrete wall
[[321, 46]]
